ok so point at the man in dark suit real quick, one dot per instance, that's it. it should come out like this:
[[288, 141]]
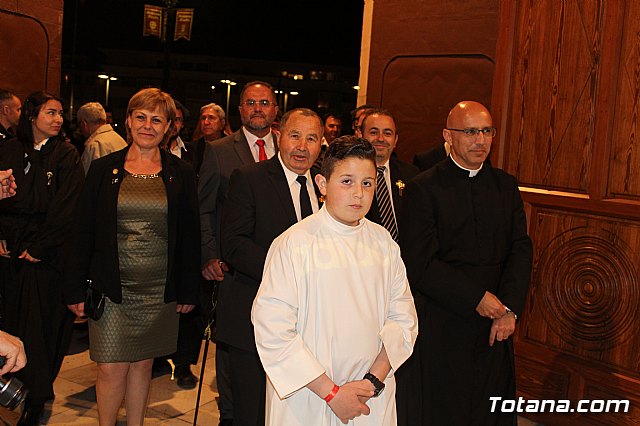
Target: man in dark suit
[[10, 108], [257, 109], [426, 159], [468, 259], [263, 200], [379, 128]]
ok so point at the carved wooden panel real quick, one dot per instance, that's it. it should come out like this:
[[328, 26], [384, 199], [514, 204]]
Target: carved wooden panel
[[537, 381], [585, 294], [421, 112], [551, 119], [425, 56], [624, 174], [25, 59], [31, 42]]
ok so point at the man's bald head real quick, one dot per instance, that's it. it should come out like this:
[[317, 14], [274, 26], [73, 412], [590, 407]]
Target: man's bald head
[[467, 149], [465, 110]]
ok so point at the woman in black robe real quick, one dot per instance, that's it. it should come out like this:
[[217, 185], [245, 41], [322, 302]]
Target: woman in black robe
[[33, 226]]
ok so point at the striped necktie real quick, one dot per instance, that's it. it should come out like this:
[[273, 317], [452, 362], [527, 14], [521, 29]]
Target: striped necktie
[[384, 204]]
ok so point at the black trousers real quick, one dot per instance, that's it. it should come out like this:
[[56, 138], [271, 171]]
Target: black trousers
[[192, 326], [223, 381], [248, 386]]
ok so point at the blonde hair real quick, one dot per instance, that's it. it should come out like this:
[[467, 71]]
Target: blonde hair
[[151, 99]]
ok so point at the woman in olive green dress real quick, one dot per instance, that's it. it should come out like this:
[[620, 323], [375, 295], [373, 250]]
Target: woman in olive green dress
[[137, 240]]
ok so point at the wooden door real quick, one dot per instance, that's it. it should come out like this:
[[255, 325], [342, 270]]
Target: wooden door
[[566, 99]]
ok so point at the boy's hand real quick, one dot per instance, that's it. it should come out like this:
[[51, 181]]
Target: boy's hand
[[367, 385], [347, 403]]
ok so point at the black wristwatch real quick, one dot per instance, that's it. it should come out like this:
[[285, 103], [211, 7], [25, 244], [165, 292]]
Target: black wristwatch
[[376, 383]]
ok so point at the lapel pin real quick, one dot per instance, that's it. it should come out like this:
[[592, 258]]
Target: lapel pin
[[400, 185]]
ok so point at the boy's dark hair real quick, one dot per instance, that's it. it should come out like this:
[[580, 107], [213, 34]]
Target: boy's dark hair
[[346, 147]]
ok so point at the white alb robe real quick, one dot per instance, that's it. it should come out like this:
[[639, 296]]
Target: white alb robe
[[330, 296]]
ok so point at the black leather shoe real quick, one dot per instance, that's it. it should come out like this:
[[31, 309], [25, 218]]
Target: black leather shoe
[[184, 378], [31, 414]]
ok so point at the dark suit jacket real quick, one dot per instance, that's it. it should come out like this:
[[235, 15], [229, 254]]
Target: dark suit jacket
[[220, 158], [93, 249], [194, 154], [258, 208], [399, 171], [426, 159]]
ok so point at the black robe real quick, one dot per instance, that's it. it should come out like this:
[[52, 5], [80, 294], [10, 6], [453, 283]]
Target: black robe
[[38, 219], [467, 236]]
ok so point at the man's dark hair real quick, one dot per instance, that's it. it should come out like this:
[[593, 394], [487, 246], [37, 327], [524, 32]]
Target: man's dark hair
[[376, 111], [329, 114], [180, 107], [346, 147], [6, 95], [261, 83], [30, 110]]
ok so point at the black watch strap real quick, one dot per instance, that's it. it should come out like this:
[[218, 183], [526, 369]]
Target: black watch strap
[[376, 383]]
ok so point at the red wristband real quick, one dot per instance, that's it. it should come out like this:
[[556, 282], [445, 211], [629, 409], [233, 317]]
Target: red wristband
[[333, 393]]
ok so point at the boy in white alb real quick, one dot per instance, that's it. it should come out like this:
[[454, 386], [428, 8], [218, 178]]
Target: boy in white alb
[[334, 316]]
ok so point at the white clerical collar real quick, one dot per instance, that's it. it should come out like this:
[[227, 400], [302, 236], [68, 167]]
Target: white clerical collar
[[472, 173]]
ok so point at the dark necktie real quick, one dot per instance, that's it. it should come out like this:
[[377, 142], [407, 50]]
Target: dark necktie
[[384, 204], [305, 201], [262, 154]]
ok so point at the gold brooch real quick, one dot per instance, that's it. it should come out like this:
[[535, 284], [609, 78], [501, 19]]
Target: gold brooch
[[400, 185]]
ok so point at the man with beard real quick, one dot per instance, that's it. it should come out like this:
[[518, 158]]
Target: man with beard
[[263, 200], [379, 128], [252, 143]]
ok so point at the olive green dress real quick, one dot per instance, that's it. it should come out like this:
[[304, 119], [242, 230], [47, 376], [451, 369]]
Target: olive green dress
[[142, 326]]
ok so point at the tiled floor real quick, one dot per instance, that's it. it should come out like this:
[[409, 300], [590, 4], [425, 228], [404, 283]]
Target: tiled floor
[[75, 402], [169, 405]]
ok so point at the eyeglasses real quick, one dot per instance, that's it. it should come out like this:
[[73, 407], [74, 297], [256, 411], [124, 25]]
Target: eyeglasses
[[488, 132], [263, 103]]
